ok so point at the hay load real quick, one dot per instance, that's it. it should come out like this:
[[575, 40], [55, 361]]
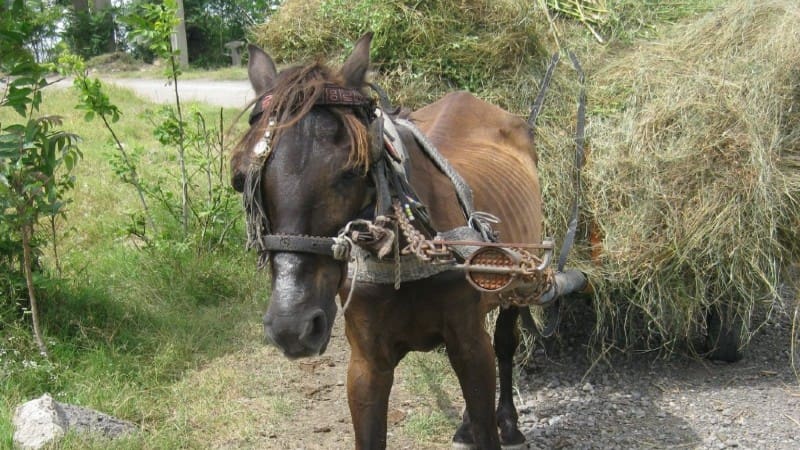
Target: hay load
[[694, 177], [692, 185], [422, 50]]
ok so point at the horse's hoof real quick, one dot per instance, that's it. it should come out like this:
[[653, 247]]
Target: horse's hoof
[[510, 436], [462, 440]]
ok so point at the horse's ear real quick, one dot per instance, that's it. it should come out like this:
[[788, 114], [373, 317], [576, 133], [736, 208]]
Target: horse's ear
[[354, 70], [260, 69]]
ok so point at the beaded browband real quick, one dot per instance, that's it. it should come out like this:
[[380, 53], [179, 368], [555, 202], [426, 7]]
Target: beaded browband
[[332, 95]]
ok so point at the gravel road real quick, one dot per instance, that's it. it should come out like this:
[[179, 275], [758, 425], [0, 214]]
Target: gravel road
[[647, 401], [232, 94]]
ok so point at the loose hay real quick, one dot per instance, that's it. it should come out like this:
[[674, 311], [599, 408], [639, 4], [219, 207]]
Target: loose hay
[[421, 50]]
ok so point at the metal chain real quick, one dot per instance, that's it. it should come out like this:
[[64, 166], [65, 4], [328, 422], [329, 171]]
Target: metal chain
[[434, 251]]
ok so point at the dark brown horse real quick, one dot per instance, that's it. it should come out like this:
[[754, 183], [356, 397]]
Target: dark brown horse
[[310, 152]]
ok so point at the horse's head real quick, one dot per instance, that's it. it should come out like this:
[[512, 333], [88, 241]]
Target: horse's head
[[308, 151]]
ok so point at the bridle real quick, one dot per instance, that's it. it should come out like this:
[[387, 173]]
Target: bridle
[[332, 95], [513, 271], [260, 236]]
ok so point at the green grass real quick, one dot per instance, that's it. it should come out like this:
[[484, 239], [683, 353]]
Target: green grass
[[124, 324], [429, 376]]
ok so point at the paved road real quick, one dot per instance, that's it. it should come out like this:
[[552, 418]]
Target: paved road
[[231, 94], [234, 94]]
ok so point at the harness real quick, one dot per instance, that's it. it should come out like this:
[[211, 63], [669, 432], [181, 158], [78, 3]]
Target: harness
[[397, 242]]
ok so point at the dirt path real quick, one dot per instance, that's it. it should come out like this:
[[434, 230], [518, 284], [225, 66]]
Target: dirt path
[[258, 399]]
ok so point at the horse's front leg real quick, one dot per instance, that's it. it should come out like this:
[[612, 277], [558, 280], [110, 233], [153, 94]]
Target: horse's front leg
[[370, 375], [470, 351]]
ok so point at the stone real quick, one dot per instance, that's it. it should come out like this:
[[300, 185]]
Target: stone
[[42, 421], [38, 423], [84, 420]]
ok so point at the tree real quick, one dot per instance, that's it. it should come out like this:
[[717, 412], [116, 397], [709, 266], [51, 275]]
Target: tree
[[91, 29], [210, 24], [36, 157]]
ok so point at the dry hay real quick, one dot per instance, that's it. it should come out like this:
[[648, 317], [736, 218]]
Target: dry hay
[[420, 50], [693, 181]]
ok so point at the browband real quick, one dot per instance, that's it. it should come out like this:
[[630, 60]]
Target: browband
[[332, 95]]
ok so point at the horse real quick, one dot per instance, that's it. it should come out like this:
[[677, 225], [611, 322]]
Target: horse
[[307, 167]]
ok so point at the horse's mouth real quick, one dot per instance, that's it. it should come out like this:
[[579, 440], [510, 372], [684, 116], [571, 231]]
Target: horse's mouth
[[299, 353], [307, 340]]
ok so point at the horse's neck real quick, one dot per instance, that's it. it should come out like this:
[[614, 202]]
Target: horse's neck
[[433, 187]]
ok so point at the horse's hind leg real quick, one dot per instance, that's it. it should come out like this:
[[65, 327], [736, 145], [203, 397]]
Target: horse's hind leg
[[506, 340]]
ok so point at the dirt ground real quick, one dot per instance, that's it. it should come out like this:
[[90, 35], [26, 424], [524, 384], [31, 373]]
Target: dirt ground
[[566, 399]]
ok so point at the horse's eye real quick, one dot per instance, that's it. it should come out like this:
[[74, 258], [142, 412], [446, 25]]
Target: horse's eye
[[351, 174]]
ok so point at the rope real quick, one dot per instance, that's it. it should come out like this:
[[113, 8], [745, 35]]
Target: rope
[[352, 287], [398, 271]]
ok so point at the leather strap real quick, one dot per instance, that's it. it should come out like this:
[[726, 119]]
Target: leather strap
[[332, 95], [341, 96], [297, 243]]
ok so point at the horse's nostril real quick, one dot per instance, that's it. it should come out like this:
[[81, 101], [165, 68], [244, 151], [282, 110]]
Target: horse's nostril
[[315, 328]]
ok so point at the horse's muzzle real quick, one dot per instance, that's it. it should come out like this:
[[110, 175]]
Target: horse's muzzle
[[298, 337]]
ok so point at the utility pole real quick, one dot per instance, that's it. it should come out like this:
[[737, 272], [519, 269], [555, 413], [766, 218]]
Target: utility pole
[[179, 37]]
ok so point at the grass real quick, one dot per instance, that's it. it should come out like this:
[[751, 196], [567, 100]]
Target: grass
[[429, 376], [125, 324]]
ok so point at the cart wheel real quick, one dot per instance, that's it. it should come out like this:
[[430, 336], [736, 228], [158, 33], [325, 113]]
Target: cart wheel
[[725, 331]]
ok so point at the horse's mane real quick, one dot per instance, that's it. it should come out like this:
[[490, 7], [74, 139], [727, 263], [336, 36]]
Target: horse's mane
[[295, 92]]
